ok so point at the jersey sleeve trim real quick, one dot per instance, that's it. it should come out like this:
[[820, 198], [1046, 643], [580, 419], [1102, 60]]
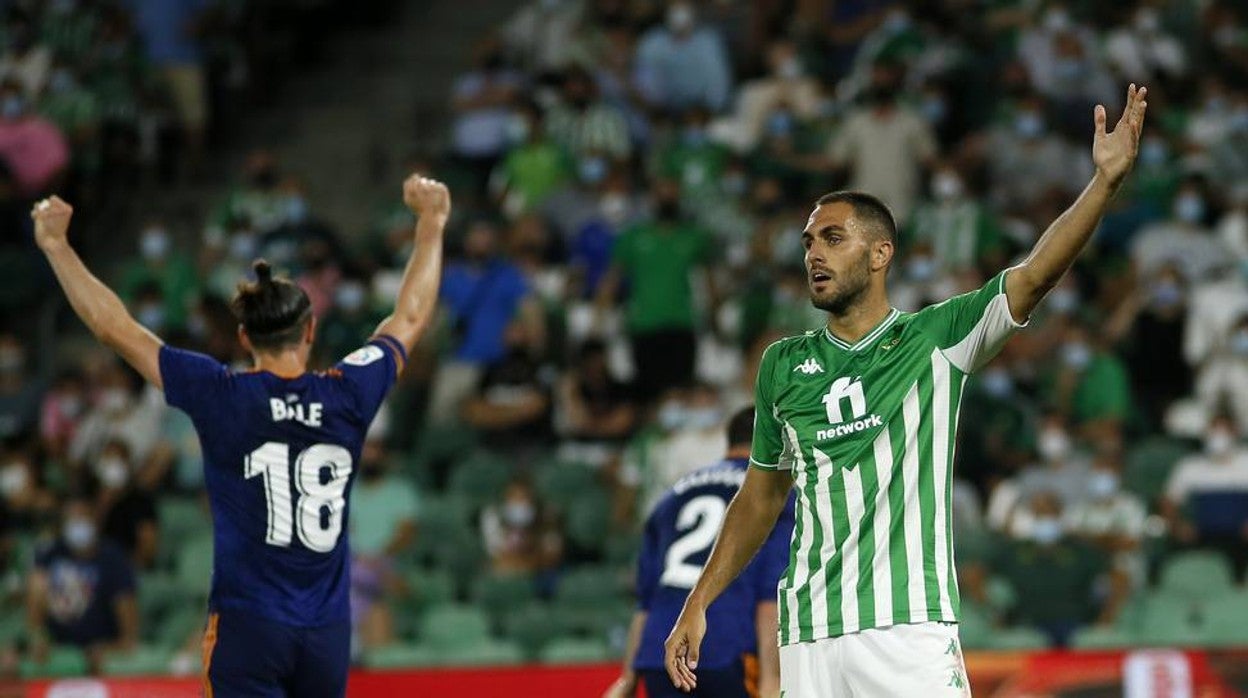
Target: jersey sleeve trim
[[764, 466], [395, 347]]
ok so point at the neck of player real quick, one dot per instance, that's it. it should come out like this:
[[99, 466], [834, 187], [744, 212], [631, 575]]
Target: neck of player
[[288, 363], [860, 318]]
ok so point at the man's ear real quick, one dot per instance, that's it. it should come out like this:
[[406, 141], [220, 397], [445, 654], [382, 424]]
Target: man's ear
[[244, 340], [882, 255]]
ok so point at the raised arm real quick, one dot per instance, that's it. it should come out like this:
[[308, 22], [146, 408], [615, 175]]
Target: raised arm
[[1113, 153], [418, 295], [102, 311], [750, 518]]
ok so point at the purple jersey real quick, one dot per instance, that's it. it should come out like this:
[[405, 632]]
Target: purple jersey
[[678, 538], [279, 460]]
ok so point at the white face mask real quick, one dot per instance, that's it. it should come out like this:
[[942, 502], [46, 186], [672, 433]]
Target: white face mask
[[672, 415], [702, 418], [79, 534], [519, 514], [1046, 530], [113, 472], [14, 479], [1103, 484], [947, 186], [1053, 444], [114, 400], [1076, 355], [1219, 443]]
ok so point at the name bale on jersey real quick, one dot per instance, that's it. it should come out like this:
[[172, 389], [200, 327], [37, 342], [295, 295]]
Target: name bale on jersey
[[291, 410]]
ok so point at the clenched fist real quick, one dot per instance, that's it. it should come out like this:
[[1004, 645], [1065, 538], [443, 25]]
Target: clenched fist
[[51, 218], [426, 197]]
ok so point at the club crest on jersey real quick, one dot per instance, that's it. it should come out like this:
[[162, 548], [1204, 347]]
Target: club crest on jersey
[[847, 389], [809, 367]]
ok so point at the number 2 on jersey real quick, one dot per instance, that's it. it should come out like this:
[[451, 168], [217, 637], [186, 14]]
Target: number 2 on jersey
[[703, 515], [272, 462]]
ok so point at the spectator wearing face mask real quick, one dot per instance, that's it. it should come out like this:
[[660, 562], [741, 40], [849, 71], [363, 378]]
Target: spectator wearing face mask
[[119, 412], [256, 198], [171, 271], [693, 160], [1028, 163], [34, 149], [26, 502], [1111, 519], [26, 61], [384, 515], [519, 534], [582, 123], [1060, 581], [1223, 379], [81, 592], [594, 411], [483, 293], [350, 318], [1062, 470], [535, 166], [1206, 497], [127, 513], [20, 390], [62, 409], [1005, 419], [541, 34], [1088, 383], [1147, 327], [687, 425], [683, 63], [787, 84], [1185, 238], [655, 261], [512, 404], [1144, 50], [481, 101], [884, 144], [961, 232]]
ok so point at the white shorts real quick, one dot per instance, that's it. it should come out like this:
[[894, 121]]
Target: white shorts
[[920, 660]]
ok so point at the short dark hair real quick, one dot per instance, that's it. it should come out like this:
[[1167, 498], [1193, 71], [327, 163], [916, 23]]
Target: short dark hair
[[869, 211], [274, 311], [741, 428]]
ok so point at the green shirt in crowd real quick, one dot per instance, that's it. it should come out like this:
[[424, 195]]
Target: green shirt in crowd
[[656, 259]]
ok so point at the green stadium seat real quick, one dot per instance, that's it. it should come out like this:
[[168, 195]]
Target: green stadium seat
[[481, 478], [400, 656], [974, 626], [62, 662], [181, 519], [532, 626], [571, 650], [561, 483], [444, 444], [590, 587], [1018, 639], [623, 549], [157, 594], [142, 661], [497, 593], [587, 523], [1170, 620], [594, 621], [1097, 638], [194, 566], [1196, 574], [485, 653], [462, 554], [1226, 620], [454, 626], [1148, 465], [12, 625], [176, 628]]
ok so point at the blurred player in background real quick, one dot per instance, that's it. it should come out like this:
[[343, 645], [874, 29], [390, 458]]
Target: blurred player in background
[[740, 658], [861, 417], [280, 446]]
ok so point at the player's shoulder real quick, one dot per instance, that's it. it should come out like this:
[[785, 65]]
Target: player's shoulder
[[794, 344]]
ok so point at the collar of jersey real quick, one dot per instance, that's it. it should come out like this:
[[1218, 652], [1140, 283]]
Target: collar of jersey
[[867, 340]]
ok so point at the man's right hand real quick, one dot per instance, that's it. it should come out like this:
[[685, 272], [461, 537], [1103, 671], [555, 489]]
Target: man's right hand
[[427, 197], [51, 218], [683, 646]]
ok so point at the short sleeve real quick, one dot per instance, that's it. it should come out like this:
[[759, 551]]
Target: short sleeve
[[768, 451], [190, 379], [648, 562], [970, 329], [370, 371], [773, 559]]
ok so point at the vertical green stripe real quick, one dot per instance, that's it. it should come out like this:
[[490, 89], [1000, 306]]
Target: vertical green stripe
[[898, 564], [836, 566], [795, 542], [927, 494], [804, 608], [956, 383], [866, 542]]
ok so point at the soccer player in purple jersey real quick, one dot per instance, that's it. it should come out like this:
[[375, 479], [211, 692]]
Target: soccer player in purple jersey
[[280, 444]]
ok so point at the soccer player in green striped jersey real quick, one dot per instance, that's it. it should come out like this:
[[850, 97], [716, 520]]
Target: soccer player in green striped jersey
[[860, 417]]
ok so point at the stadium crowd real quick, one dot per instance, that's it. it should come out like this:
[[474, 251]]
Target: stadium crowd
[[630, 180]]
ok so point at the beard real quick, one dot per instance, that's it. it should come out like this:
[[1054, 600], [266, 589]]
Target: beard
[[846, 292]]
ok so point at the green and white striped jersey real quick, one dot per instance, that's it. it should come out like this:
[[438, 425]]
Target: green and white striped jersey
[[868, 433]]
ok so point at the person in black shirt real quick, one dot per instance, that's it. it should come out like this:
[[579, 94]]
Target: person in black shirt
[[127, 513]]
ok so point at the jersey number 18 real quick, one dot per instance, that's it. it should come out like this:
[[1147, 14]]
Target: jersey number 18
[[317, 531]]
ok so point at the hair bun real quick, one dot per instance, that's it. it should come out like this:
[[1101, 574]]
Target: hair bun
[[264, 272]]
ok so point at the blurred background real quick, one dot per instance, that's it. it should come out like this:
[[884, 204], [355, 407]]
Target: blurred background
[[630, 178]]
